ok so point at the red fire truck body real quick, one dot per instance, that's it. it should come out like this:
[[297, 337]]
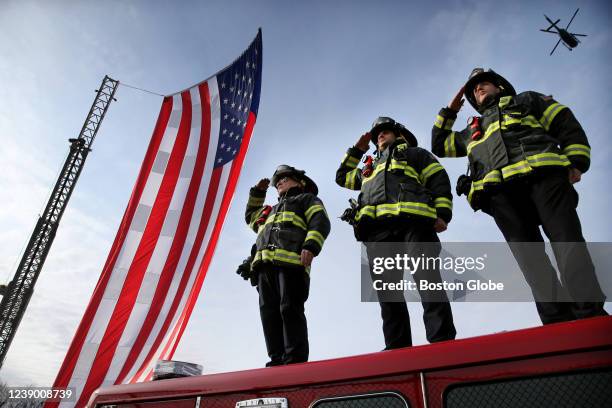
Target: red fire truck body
[[566, 364]]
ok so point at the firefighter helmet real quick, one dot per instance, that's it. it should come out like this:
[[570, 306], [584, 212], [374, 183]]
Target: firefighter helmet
[[386, 123], [479, 75], [285, 170]]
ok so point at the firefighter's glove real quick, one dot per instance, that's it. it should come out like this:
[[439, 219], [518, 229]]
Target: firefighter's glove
[[349, 215], [464, 184], [244, 269], [363, 143], [263, 184]]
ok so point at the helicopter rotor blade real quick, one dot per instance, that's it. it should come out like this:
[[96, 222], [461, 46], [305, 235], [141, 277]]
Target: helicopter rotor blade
[[572, 19], [579, 35], [548, 31], [552, 24], [556, 45]]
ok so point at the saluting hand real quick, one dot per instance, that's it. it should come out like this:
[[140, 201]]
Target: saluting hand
[[363, 143], [263, 184], [306, 257], [457, 102]]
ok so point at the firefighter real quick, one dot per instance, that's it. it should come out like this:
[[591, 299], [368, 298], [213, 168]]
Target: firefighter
[[291, 236], [405, 197], [525, 151]]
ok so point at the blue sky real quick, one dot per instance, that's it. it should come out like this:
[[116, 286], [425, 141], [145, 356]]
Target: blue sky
[[329, 69]]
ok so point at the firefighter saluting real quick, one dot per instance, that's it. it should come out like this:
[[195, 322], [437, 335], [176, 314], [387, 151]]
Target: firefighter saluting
[[405, 197], [287, 241], [525, 152]]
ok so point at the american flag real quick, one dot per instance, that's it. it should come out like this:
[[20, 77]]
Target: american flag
[[159, 259]]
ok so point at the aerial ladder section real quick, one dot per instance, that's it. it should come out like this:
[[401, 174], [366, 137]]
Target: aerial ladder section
[[16, 295]]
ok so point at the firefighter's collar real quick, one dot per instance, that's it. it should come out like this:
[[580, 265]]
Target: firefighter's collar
[[399, 144], [384, 153], [504, 100]]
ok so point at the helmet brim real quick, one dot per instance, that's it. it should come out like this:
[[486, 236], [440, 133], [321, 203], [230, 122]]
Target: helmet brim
[[379, 128], [309, 185]]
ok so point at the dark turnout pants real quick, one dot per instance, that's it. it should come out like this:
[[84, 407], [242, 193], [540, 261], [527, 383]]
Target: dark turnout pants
[[547, 198], [282, 294], [418, 239]]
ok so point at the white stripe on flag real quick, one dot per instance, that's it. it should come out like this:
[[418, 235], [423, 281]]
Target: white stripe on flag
[[170, 335], [171, 341], [161, 251], [173, 337], [193, 228], [126, 255]]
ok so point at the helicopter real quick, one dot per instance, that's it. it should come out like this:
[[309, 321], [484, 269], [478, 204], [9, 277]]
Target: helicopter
[[569, 39]]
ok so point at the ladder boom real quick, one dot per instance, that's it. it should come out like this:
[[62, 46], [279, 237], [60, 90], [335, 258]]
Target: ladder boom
[[19, 291]]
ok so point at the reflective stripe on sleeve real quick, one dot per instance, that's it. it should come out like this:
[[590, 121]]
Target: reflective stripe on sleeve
[[350, 180], [550, 113], [443, 202], [444, 123], [316, 236], [429, 171], [577, 150], [350, 161], [312, 210], [449, 146], [255, 201]]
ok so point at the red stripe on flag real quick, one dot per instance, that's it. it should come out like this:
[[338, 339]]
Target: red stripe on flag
[[229, 193], [178, 243], [133, 281], [66, 370], [206, 212], [179, 328]]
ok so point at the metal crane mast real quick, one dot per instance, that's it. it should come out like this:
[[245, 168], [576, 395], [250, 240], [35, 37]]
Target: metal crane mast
[[17, 294]]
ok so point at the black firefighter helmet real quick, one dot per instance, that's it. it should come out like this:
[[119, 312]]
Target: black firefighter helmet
[[479, 75], [285, 170], [386, 123]]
